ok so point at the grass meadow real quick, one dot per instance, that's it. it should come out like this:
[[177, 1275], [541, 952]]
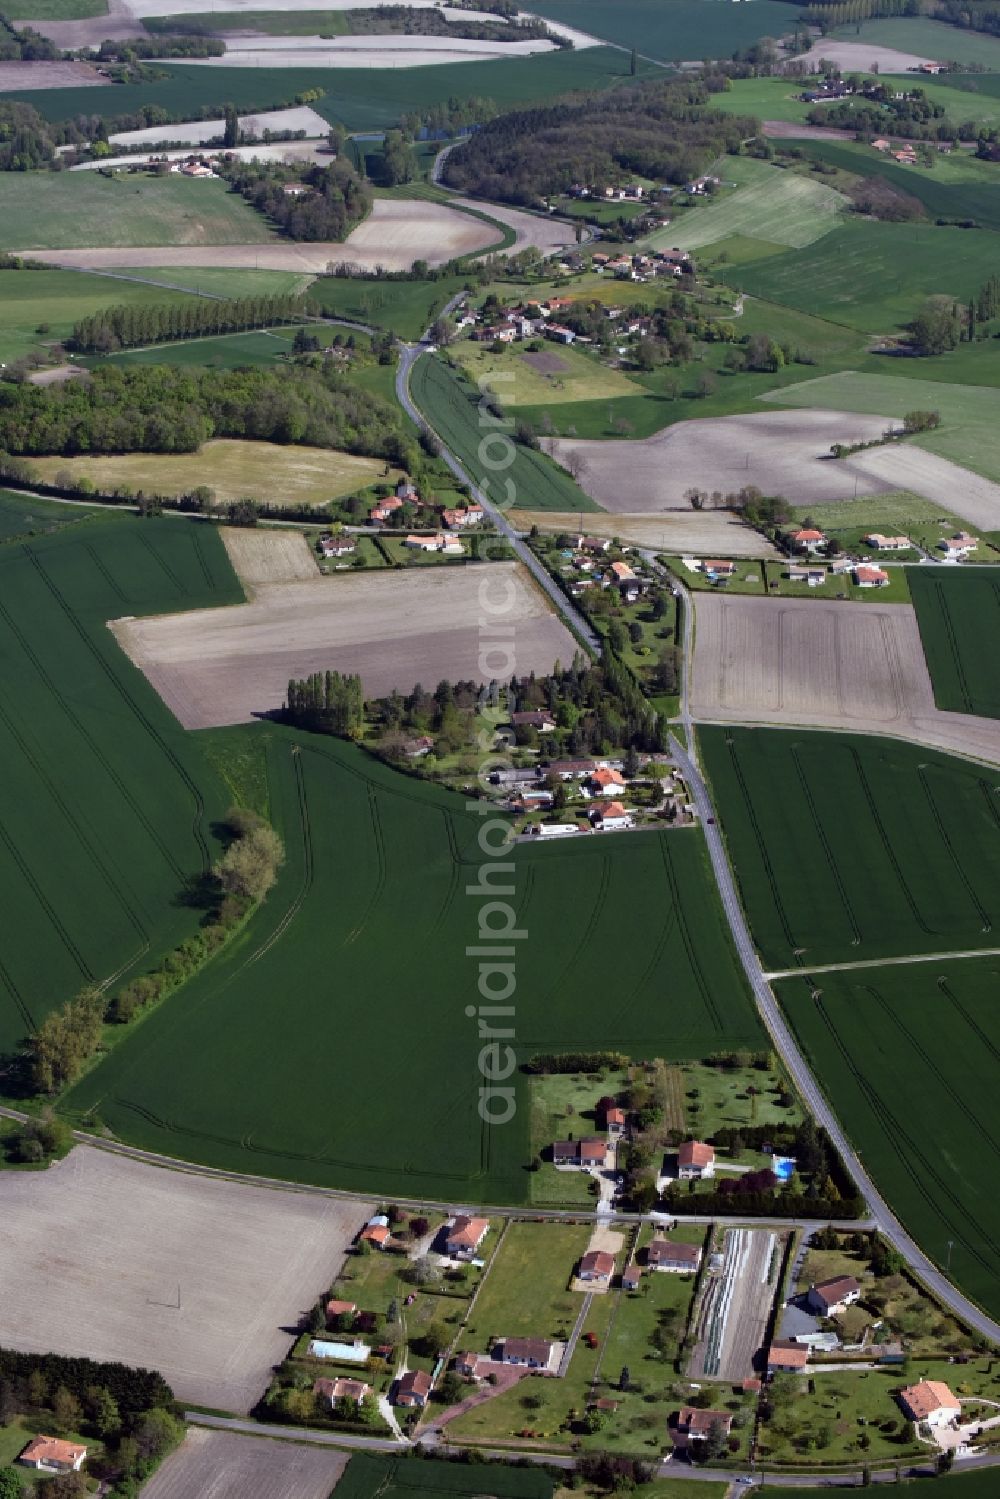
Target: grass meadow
[[559, 376], [22, 516], [53, 301], [451, 405], [871, 276], [769, 203], [672, 30], [846, 847], [405, 307], [357, 98], [106, 807], [354, 962], [956, 614], [908, 1059], [271, 22], [766, 98], [79, 210], [224, 282]]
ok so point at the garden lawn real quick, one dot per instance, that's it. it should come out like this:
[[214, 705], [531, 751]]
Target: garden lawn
[[872, 276], [53, 301], [357, 98], [70, 210], [370, 964], [672, 30], [552, 376], [859, 857], [526, 1292], [768, 203], [967, 434], [532, 481], [836, 586], [874, 1036], [106, 806], [956, 613], [926, 38]]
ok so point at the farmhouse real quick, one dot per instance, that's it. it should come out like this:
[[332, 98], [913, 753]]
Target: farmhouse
[[610, 817], [786, 1357], [593, 543], [715, 569], [336, 546], [887, 543], [337, 1308], [631, 1278], [695, 1160], [932, 1401], [53, 1455], [382, 510], [672, 1256], [866, 576], [691, 1425], [832, 1296], [465, 1235], [597, 1266], [530, 1353], [570, 770], [809, 540], [406, 492], [375, 1233], [342, 1388], [959, 545], [467, 515], [412, 1388], [538, 719], [606, 779], [813, 576], [583, 1153], [614, 1121]]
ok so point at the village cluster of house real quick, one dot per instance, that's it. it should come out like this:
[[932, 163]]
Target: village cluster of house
[[645, 266], [600, 785], [384, 511], [810, 540], [585, 565]]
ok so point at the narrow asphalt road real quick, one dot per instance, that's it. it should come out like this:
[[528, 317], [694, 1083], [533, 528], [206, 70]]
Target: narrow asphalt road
[[778, 1028], [409, 354]]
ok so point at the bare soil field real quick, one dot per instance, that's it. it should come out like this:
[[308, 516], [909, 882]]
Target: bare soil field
[[201, 1279], [383, 51], [824, 665], [397, 232], [58, 374], [857, 57], [795, 130], [225, 666], [269, 556], [530, 228], [231, 467], [732, 1319], [226, 1465], [282, 151], [703, 533], [25, 75], [948, 484], [199, 132], [780, 452]]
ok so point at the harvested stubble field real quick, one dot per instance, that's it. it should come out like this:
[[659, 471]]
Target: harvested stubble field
[[226, 666], [98, 1221], [231, 467], [270, 556], [780, 452], [845, 847], [224, 1465], [709, 533], [106, 808], [819, 664], [361, 947], [397, 232], [957, 613], [908, 1059]]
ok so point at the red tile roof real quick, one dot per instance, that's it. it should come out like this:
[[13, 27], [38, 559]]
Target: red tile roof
[[695, 1153], [597, 1262]]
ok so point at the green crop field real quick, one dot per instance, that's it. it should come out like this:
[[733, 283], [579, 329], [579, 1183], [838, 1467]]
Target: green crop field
[[848, 847], [925, 38], [957, 187], [673, 30], [405, 307], [967, 434], [981, 1485], [39, 307], [357, 98], [532, 481], [907, 1056], [766, 98], [769, 203], [271, 22], [106, 806], [956, 614], [370, 1476], [54, 10], [872, 276], [330, 1042], [69, 210], [226, 352], [227, 282]]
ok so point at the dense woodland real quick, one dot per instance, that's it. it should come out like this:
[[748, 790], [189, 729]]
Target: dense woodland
[[336, 199], [169, 409], [135, 326], [663, 130]]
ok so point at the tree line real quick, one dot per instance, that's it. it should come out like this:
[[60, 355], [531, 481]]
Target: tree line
[[170, 409], [663, 130], [333, 201], [129, 327], [328, 702]]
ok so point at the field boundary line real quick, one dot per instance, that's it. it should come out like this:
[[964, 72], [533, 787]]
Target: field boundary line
[[862, 963]]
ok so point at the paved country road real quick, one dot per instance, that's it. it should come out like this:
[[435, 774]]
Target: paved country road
[[781, 1034]]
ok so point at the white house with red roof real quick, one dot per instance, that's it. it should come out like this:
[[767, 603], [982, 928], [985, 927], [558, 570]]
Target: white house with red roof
[[53, 1455], [867, 576], [464, 1236], [808, 538], [695, 1160]]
